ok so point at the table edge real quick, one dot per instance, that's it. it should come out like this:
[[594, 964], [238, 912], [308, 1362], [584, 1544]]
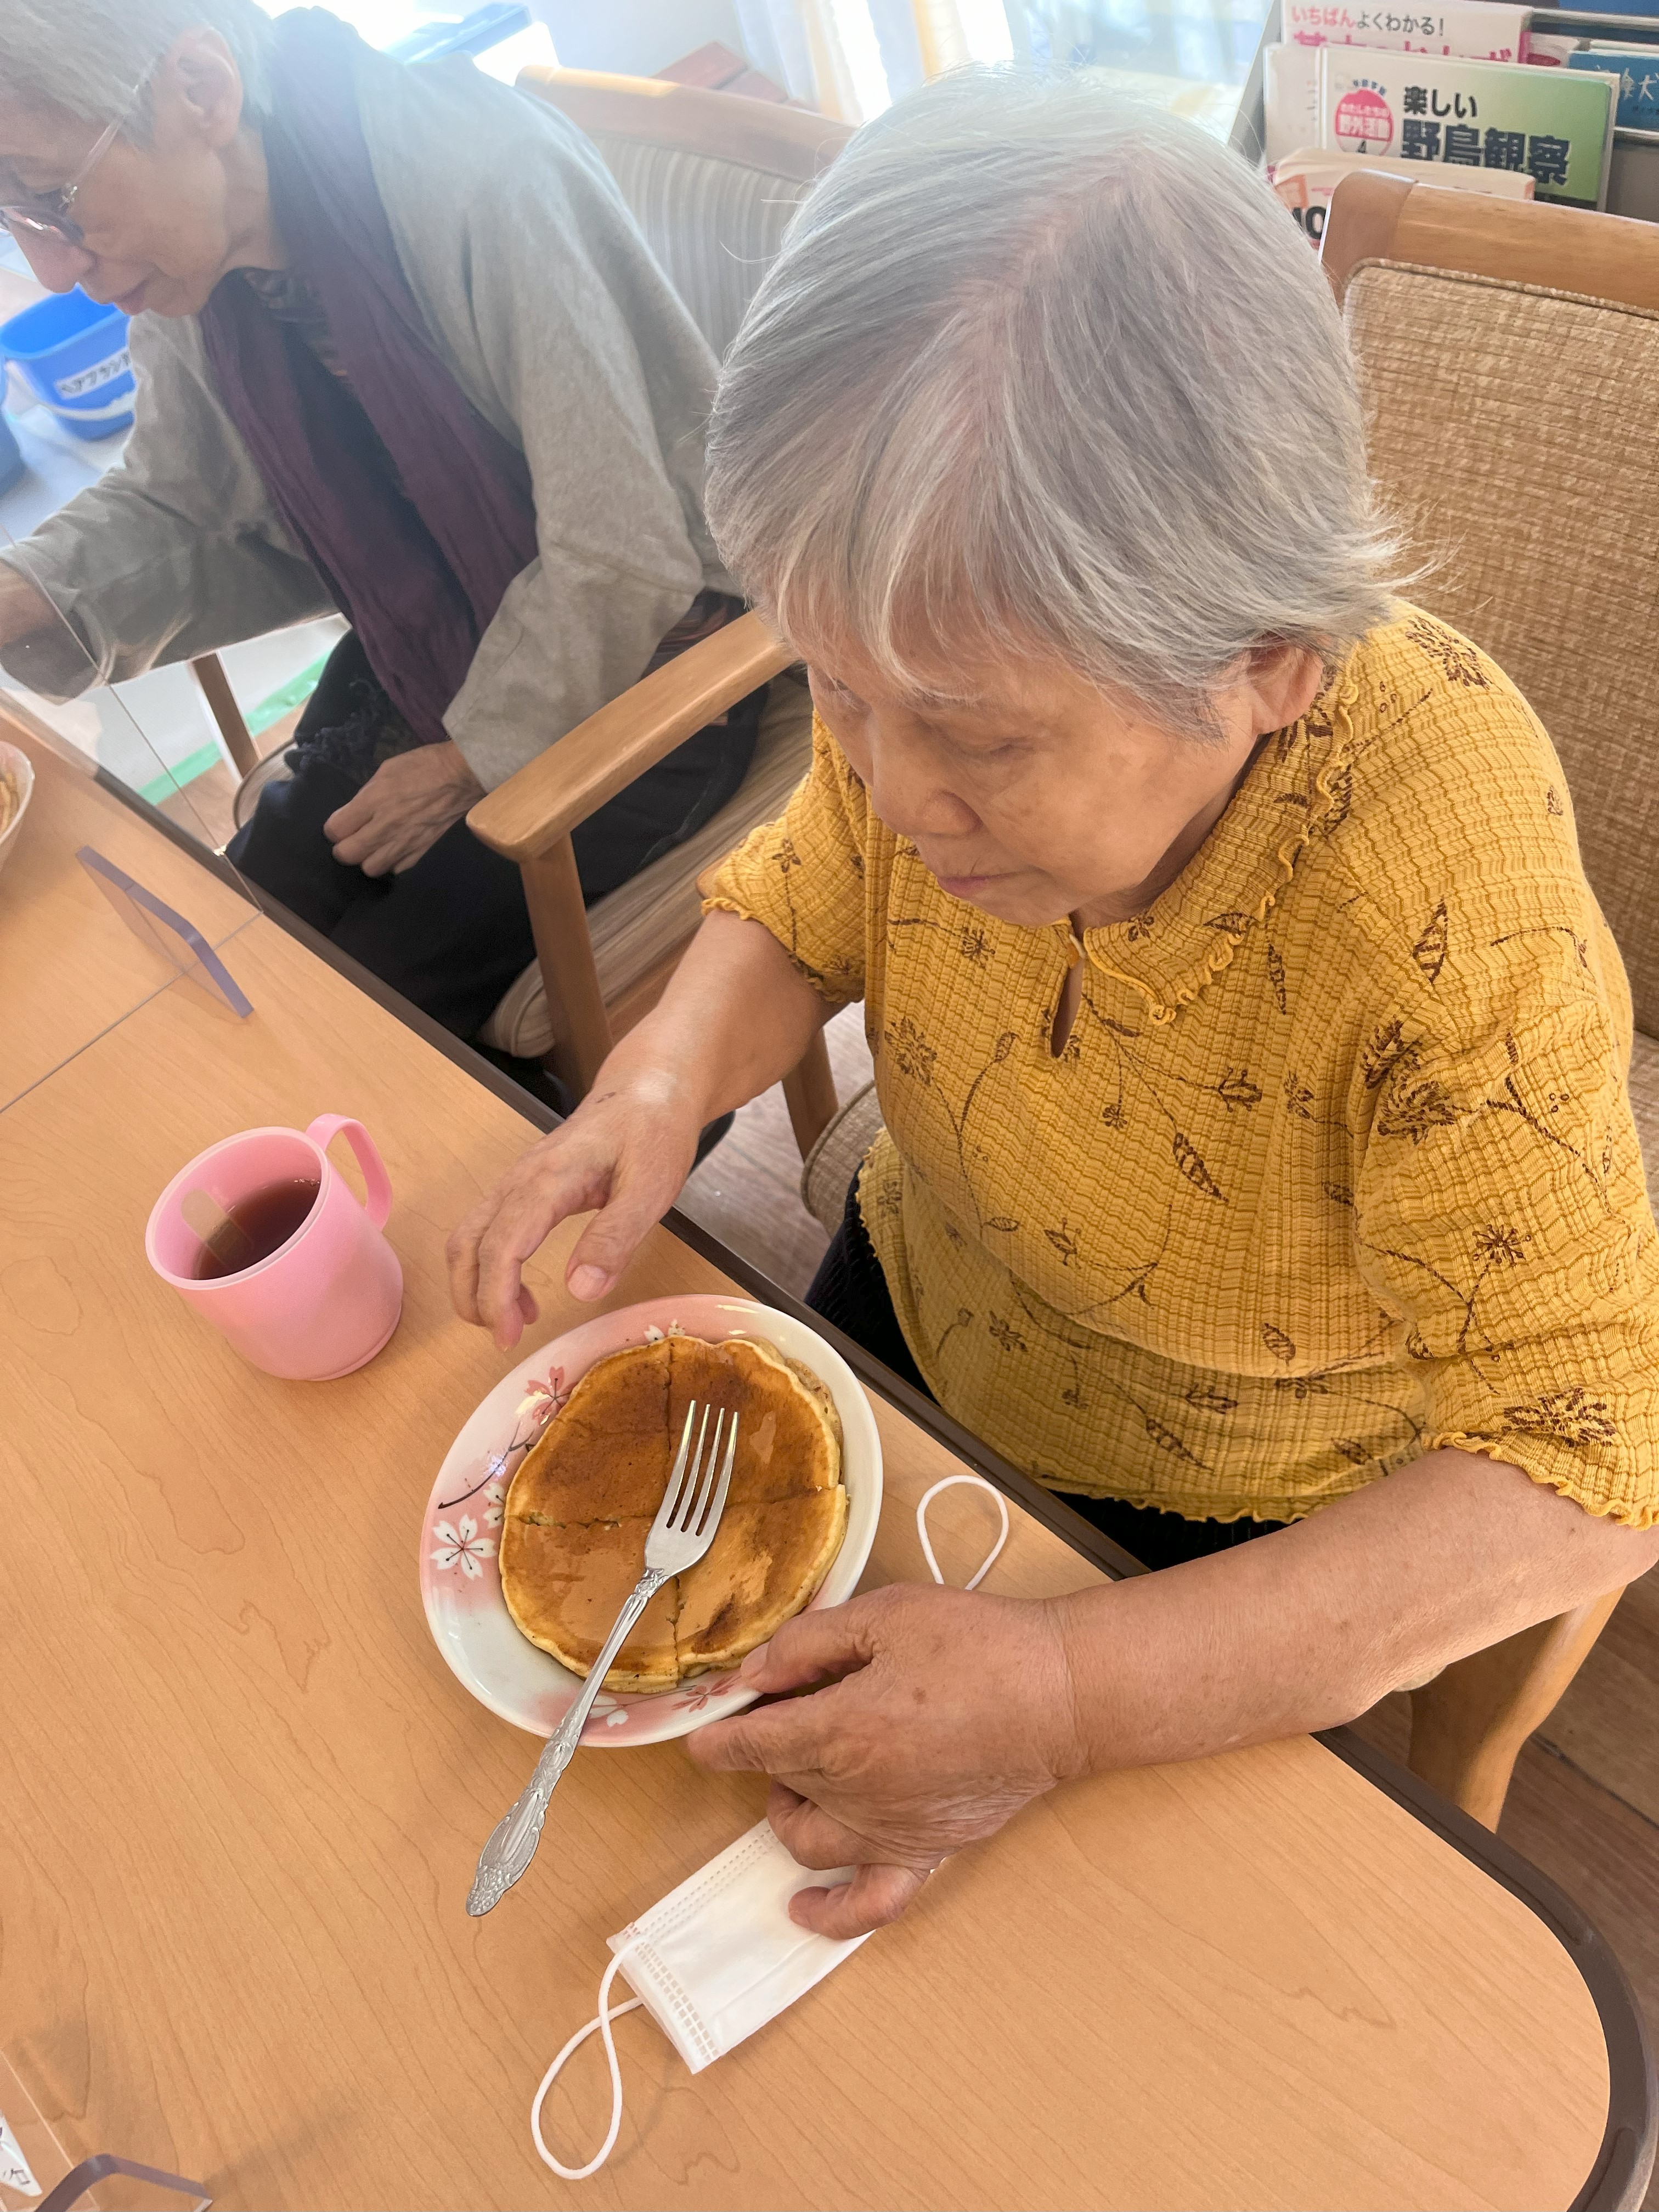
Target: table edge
[[1623, 2163]]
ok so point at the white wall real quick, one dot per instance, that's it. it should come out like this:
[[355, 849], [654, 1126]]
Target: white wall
[[636, 37]]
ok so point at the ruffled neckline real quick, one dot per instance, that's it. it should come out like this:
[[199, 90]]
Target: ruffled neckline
[[1300, 780]]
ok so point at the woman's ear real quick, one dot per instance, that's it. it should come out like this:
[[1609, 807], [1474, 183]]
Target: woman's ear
[[199, 91], [1280, 681]]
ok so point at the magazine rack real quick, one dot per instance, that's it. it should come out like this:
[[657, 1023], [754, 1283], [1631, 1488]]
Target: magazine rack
[[1633, 181]]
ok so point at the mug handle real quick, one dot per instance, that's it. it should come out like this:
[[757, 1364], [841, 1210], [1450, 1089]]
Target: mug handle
[[323, 1132]]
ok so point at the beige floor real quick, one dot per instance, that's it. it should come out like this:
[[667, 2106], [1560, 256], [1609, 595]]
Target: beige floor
[[1585, 1805]]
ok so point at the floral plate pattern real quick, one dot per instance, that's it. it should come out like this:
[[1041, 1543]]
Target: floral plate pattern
[[461, 1584]]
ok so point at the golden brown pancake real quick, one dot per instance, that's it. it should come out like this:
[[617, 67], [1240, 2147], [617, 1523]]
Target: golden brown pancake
[[764, 1564], [788, 1437], [564, 1587], [606, 1456], [579, 1507]]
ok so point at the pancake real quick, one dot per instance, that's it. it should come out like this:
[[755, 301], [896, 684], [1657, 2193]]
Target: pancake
[[606, 1456], [788, 1436], [580, 1506], [764, 1563], [564, 1587]]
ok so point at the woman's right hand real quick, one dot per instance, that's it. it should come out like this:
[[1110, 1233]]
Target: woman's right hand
[[623, 1153]]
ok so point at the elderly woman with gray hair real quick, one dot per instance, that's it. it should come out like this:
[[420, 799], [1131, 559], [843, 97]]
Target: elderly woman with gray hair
[[1257, 1160], [401, 352]]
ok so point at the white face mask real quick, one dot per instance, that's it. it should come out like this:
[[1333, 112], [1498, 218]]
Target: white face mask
[[720, 1956]]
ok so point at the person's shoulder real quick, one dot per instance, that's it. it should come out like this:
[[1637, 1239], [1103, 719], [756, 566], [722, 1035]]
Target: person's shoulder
[[1447, 761], [447, 135], [1457, 826]]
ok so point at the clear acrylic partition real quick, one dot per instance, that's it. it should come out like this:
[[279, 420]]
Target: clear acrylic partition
[[1190, 55]]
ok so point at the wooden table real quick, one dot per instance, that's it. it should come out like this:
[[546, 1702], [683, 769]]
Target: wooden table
[[70, 965], [243, 1797]]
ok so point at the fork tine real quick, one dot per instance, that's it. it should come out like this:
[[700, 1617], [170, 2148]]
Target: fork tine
[[688, 1489], [671, 1495], [692, 1519], [712, 1518]]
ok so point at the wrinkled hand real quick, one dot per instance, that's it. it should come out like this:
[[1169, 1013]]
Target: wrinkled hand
[[625, 1151], [403, 809], [944, 1713]]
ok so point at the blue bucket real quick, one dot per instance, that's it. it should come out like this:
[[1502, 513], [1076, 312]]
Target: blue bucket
[[74, 352]]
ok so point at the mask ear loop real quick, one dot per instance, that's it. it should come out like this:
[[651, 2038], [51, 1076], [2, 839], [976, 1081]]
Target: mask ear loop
[[606, 2014], [949, 1482], [601, 2020]]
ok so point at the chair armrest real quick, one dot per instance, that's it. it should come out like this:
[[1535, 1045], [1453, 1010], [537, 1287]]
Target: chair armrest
[[529, 813]]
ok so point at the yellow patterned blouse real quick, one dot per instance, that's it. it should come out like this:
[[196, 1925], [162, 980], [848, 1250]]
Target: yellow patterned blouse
[[1337, 1164]]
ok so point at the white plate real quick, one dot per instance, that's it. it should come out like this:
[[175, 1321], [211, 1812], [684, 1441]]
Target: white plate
[[461, 1584]]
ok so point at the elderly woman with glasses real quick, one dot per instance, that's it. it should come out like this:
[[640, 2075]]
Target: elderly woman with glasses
[[401, 352], [1257, 1161]]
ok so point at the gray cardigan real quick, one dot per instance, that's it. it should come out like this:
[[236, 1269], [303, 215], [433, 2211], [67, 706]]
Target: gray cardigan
[[546, 305]]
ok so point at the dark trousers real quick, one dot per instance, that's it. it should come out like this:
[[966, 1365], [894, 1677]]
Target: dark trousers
[[452, 933], [851, 1290]]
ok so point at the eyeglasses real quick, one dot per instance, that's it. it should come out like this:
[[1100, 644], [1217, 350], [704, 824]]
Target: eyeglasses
[[46, 214]]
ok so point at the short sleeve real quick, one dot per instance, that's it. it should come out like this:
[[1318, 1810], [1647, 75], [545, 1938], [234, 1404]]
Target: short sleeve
[[803, 876], [1501, 1207]]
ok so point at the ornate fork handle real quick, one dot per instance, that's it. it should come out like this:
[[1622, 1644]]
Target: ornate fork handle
[[513, 1845]]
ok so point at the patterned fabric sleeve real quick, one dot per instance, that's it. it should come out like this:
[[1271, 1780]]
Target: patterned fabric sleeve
[[803, 876], [1501, 1208]]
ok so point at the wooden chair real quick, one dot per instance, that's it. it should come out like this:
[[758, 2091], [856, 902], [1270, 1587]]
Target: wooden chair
[[1512, 427], [712, 178], [1507, 355]]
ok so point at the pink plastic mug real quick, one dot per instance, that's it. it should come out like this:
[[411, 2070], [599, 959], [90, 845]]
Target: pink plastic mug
[[319, 1305]]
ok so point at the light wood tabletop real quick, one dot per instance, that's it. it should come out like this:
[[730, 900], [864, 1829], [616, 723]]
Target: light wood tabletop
[[70, 965], [243, 1796]]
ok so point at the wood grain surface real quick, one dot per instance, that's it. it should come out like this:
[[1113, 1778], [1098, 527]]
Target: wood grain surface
[[68, 965], [243, 1795]]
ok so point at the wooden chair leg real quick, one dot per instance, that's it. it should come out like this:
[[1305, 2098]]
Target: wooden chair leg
[[809, 1091], [222, 705], [1469, 1723], [558, 922]]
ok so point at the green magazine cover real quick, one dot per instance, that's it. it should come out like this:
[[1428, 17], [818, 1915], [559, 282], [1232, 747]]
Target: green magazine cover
[[1554, 124]]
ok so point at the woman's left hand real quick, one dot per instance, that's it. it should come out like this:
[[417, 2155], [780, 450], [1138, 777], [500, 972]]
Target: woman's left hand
[[403, 809], [943, 1714]]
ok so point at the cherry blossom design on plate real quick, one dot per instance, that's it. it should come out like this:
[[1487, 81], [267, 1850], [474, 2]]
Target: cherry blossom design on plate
[[461, 1546], [460, 1571]]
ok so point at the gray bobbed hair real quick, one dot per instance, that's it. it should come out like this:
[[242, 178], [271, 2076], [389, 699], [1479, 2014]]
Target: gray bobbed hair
[[1041, 374], [87, 57]]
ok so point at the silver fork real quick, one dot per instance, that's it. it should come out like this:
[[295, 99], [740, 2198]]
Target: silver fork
[[682, 1531]]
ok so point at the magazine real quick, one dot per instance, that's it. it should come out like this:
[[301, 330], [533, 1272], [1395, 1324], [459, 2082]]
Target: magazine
[[1637, 69], [1479, 30], [1553, 124]]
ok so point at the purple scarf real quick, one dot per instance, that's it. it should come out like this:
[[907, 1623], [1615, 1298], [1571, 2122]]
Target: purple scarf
[[417, 556]]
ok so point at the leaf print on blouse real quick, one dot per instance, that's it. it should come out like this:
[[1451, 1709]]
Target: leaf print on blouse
[[1552, 802], [1236, 1088], [1281, 1346], [1579, 944], [1415, 1106], [1208, 1399], [1388, 1048], [1004, 1333], [1572, 1417], [1430, 950], [1298, 1099], [970, 941], [1190, 1162], [912, 1053], [1064, 1242], [1457, 660], [964, 1316], [1276, 976]]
